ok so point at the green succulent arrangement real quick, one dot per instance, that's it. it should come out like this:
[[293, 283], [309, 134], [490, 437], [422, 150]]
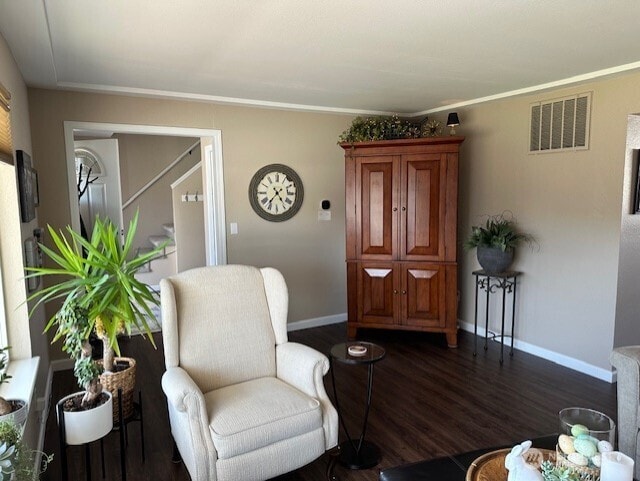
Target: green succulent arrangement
[[498, 231], [551, 472], [365, 129], [7, 457], [17, 461]]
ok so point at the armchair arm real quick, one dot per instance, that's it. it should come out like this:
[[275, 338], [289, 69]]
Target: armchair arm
[[190, 424], [181, 391], [304, 368], [626, 360]]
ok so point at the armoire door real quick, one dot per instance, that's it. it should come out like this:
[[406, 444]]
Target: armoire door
[[377, 207], [377, 292], [423, 289], [423, 192]]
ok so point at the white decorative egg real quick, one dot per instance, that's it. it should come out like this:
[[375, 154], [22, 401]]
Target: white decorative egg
[[597, 460], [578, 459], [565, 443], [604, 446]]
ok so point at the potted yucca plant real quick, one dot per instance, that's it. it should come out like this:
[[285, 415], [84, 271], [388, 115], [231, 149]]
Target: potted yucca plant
[[98, 277]]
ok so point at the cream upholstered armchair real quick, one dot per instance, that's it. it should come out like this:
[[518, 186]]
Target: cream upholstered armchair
[[244, 403], [626, 360]]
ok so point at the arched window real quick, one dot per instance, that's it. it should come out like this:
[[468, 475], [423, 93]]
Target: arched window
[[90, 163]]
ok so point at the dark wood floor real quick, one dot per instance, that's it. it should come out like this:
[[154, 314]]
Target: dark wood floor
[[428, 401]]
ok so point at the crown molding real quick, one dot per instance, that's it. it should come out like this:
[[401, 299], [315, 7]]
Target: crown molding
[[166, 94]]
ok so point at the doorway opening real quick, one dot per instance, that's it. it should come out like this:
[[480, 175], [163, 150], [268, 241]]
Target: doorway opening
[[104, 194]]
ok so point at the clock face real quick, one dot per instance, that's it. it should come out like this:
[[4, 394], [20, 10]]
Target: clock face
[[276, 192]]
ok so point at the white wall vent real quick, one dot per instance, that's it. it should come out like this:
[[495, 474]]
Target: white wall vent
[[560, 124]]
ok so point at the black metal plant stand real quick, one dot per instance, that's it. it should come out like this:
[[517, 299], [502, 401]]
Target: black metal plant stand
[[121, 428], [490, 283]]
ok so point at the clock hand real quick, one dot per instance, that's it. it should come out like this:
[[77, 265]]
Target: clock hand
[[276, 193]]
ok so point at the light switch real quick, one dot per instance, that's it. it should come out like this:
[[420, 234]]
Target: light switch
[[234, 228]]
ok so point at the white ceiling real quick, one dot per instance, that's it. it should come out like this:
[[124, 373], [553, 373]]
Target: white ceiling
[[404, 56]]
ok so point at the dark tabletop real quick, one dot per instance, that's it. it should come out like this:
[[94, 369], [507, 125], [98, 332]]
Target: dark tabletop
[[454, 467], [374, 353]]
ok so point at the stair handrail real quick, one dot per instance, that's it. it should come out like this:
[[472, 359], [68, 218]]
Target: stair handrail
[[149, 184]]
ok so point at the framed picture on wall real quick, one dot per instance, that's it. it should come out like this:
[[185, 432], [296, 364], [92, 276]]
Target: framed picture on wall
[[636, 185], [34, 185], [25, 183]]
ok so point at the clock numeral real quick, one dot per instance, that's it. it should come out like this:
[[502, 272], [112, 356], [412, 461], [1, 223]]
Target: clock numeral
[[264, 200], [288, 201]]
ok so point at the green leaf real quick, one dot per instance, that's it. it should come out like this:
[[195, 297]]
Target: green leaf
[[97, 278]]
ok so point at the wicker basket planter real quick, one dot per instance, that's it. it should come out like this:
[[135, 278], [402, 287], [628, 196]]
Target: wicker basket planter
[[125, 380]]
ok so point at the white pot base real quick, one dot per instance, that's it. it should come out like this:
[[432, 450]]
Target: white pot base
[[86, 426]]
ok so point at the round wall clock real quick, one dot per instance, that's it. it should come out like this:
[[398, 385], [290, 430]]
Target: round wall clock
[[276, 192]]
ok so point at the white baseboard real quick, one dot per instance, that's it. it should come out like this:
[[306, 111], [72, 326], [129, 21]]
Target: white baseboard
[[317, 322], [61, 365], [558, 358], [43, 405]]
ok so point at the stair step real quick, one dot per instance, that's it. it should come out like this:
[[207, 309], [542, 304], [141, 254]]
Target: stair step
[[144, 250], [169, 230], [158, 240]]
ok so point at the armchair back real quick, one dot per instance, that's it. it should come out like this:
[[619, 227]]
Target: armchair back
[[227, 336]]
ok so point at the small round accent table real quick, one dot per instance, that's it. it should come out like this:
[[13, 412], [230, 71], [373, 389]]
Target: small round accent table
[[357, 453]]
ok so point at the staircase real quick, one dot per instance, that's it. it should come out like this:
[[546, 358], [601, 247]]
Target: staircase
[[165, 264], [156, 269]]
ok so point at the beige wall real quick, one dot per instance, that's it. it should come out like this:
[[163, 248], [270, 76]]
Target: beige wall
[[189, 223], [142, 157], [12, 235], [570, 202], [309, 253]]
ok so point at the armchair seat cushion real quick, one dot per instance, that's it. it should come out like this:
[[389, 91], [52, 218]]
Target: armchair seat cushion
[[253, 414]]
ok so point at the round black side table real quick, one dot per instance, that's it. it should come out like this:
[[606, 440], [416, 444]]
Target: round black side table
[[357, 453]]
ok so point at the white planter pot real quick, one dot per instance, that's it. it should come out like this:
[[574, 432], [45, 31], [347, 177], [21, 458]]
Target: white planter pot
[[19, 417], [83, 427]]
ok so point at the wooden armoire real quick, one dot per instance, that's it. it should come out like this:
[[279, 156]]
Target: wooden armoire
[[401, 216]]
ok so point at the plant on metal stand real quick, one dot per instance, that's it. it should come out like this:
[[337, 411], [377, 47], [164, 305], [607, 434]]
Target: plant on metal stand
[[99, 277], [496, 241]]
